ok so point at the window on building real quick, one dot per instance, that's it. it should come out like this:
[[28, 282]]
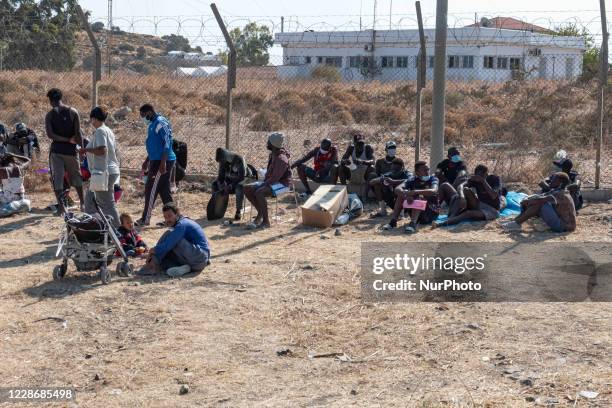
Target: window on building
[[308, 60], [515, 63], [453, 61], [354, 62], [431, 61], [387, 62], [294, 60], [502, 63], [333, 61], [401, 62], [365, 61], [468, 61], [489, 62], [319, 60]]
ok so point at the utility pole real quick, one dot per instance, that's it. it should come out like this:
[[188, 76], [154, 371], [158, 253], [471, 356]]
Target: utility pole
[[421, 81], [97, 70], [602, 126], [282, 24], [439, 85], [390, 14], [109, 38]]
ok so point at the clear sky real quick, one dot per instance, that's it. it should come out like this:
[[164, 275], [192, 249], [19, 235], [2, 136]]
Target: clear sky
[[193, 18]]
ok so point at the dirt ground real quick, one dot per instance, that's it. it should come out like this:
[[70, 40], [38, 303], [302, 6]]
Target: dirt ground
[[136, 341]]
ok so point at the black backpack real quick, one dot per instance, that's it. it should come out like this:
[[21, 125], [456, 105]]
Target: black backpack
[[180, 150]]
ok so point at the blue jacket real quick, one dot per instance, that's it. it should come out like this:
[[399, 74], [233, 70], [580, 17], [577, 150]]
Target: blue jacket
[[184, 228], [159, 139]]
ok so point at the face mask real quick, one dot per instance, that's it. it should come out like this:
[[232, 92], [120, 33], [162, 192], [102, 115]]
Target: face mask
[[146, 121], [424, 178], [456, 158], [391, 152], [323, 151]]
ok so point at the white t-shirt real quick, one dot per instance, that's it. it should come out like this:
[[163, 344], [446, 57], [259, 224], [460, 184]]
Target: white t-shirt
[[104, 137]]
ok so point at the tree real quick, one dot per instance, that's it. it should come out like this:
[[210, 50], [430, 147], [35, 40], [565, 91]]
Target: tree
[[41, 34], [252, 44], [97, 27], [590, 58], [176, 43]]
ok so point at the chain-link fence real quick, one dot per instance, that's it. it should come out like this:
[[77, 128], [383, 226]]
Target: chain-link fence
[[511, 100]]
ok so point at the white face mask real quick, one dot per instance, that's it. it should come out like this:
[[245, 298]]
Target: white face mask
[[146, 121], [391, 152], [323, 151]]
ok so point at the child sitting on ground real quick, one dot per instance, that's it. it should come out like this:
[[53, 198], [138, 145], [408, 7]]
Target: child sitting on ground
[[132, 243]]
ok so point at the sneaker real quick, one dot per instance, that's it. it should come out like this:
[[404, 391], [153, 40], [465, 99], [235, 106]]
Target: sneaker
[[511, 226], [392, 224], [141, 223], [410, 228], [178, 271]]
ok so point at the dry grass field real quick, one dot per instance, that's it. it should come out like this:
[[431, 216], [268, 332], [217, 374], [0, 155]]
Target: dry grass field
[[245, 331]]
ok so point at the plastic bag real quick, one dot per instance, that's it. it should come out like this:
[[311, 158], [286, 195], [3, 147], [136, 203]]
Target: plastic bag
[[354, 210]]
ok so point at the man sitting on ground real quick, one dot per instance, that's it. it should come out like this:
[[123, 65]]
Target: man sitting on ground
[[385, 185], [565, 165], [233, 171], [12, 194], [357, 163], [383, 166], [481, 198], [451, 168], [276, 181], [324, 170], [422, 187], [182, 249], [556, 208], [23, 142]]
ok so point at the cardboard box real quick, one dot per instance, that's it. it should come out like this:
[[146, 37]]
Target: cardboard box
[[324, 206]]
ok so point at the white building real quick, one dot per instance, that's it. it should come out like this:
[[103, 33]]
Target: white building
[[473, 53]]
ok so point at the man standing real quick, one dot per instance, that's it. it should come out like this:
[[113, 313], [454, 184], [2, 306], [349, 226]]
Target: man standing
[[182, 249], [63, 127], [159, 162], [325, 159]]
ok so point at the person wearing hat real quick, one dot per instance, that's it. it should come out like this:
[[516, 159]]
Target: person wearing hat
[[23, 141], [324, 170], [565, 165], [451, 168], [383, 165], [357, 164], [276, 181], [385, 185], [12, 190]]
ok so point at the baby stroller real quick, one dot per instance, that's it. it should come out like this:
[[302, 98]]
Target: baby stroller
[[91, 242]]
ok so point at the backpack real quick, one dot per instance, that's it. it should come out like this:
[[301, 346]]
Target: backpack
[[180, 150]]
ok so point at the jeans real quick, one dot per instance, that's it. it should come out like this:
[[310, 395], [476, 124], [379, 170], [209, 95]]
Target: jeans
[[185, 253]]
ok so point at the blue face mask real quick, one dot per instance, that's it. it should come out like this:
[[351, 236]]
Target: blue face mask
[[424, 178], [456, 158]]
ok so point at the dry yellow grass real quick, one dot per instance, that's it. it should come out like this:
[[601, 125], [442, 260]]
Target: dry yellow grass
[[135, 342]]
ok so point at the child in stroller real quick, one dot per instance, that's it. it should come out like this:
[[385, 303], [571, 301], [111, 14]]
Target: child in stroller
[[91, 242]]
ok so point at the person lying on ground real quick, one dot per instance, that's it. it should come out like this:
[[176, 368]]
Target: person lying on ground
[[420, 189], [555, 208], [12, 195], [63, 127], [324, 170], [481, 198], [23, 142], [565, 165], [276, 181], [182, 249], [233, 171], [385, 185], [357, 164], [451, 168], [131, 242]]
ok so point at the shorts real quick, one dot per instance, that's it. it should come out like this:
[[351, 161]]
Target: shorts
[[489, 212], [551, 218], [60, 163], [322, 177], [277, 188]]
